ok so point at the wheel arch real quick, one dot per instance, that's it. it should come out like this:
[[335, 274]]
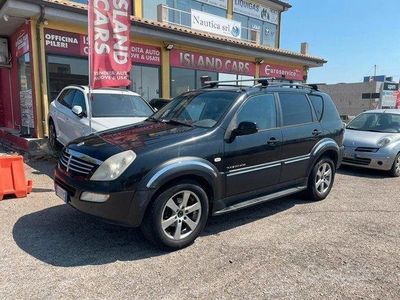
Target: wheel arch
[[326, 147], [181, 169]]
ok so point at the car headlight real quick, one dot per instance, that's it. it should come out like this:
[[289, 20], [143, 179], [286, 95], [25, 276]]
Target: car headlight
[[114, 166], [385, 141]]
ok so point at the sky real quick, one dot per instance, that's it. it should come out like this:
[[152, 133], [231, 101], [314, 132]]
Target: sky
[[352, 35]]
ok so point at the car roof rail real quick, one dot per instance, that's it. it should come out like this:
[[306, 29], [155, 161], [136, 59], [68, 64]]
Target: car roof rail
[[207, 83], [313, 87]]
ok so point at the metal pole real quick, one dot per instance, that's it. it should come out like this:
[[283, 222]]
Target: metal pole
[[90, 69]]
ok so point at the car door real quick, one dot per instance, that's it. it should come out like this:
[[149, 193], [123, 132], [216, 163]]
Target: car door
[[301, 132], [63, 115], [79, 124], [252, 161]]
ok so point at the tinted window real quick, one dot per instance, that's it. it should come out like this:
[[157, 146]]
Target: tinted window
[[79, 100], [295, 109], [260, 110], [67, 98], [318, 104], [330, 110]]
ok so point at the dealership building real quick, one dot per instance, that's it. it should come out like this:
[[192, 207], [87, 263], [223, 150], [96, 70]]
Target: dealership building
[[44, 47]]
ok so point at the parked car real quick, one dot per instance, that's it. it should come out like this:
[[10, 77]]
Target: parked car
[[372, 140], [158, 103], [208, 152], [68, 115]]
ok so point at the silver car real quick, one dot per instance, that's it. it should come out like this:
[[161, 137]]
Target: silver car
[[372, 140]]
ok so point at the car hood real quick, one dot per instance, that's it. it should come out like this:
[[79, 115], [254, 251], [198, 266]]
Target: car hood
[[137, 137], [356, 138], [100, 124]]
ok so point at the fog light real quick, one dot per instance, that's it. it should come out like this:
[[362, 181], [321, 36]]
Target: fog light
[[93, 197], [380, 163]]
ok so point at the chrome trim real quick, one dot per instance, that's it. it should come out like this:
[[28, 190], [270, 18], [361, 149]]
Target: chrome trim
[[241, 171], [84, 157], [268, 165], [296, 159], [174, 165]]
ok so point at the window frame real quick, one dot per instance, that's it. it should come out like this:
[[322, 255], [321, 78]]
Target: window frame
[[314, 109], [234, 124], [313, 115], [158, 67]]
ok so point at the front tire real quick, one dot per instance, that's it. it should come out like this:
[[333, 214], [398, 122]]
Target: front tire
[[177, 216], [321, 179], [395, 170], [53, 143]]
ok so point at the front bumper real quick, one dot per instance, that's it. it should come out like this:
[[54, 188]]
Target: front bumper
[[379, 160], [123, 207]]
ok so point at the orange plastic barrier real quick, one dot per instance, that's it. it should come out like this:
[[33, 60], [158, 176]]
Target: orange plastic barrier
[[12, 177]]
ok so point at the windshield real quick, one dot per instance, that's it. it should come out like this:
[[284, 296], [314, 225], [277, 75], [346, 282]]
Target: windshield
[[197, 109], [119, 105], [377, 122]]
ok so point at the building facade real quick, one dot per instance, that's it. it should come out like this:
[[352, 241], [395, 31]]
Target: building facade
[[173, 44]]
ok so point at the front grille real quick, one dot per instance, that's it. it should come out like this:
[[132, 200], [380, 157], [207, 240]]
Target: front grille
[[74, 162], [367, 149], [357, 161]]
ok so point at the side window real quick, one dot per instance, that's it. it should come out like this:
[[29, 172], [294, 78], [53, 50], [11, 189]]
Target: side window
[[295, 109], [79, 100], [260, 110], [330, 111], [318, 104], [67, 98]]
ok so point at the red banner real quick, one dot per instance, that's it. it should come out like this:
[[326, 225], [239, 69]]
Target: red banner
[[109, 30], [398, 99], [22, 42], [197, 61], [278, 71]]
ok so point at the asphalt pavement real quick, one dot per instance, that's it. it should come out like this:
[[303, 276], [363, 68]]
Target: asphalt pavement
[[345, 247]]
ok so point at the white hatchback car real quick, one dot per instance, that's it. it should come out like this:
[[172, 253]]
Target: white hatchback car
[[68, 115]]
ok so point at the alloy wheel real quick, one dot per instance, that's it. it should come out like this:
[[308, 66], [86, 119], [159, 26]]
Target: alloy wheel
[[397, 165], [181, 215], [323, 178]]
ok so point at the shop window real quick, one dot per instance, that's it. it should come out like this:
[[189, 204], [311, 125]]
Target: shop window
[[182, 80], [146, 81], [269, 34], [25, 95], [64, 71], [213, 76]]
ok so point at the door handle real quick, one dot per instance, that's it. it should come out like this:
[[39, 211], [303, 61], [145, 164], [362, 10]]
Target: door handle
[[316, 132], [272, 141]]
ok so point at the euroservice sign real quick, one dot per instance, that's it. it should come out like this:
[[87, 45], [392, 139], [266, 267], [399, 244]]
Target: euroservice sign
[[216, 25], [278, 71], [256, 10]]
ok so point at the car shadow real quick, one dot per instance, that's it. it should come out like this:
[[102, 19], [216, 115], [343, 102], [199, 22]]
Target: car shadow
[[43, 166], [361, 172], [62, 236]]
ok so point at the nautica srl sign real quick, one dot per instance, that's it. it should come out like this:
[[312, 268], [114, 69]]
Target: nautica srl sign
[[217, 25]]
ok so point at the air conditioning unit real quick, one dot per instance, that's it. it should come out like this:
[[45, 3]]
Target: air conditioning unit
[[4, 53]]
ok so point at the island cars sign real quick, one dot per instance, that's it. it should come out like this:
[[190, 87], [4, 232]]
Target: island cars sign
[[212, 63], [109, 29]]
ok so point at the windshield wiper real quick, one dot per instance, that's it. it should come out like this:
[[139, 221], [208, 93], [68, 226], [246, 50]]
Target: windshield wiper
[[152, 119], [175, 121]]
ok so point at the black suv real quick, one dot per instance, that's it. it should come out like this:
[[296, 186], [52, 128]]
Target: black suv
[[208, 152]]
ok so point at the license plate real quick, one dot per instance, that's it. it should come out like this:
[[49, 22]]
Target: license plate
[[60, 192]]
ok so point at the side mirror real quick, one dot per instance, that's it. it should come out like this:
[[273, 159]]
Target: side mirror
[[245, 128], [77, 110]]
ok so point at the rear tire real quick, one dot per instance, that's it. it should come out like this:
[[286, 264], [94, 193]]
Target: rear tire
[[321, 179], [176, 217], [395, 170]]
